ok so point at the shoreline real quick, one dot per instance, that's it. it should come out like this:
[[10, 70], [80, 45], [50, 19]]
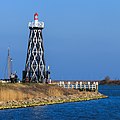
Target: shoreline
[[54, 100]]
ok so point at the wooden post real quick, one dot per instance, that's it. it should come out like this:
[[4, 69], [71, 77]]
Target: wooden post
[[76, 85], [64, 86], [68, 84], [88, 85], [97, 86], [80, 85], [94, 84], [92, 87], [60, 84], [84, 87]]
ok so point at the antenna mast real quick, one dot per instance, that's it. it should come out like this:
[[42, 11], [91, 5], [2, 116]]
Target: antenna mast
[[9, 64]]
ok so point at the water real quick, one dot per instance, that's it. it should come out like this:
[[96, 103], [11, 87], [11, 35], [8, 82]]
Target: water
[[103, 109]]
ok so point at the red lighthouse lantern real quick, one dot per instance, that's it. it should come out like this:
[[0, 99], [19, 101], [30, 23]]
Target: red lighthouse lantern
[[36, 16]]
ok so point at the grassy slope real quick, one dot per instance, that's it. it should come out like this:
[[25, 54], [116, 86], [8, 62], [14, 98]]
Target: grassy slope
[[18, 95], [29, 91]]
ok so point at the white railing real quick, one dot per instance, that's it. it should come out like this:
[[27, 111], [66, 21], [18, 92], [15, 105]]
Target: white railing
[[79, 85], [38, 24]]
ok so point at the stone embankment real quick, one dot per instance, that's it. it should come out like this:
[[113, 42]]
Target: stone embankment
[[28, 95]]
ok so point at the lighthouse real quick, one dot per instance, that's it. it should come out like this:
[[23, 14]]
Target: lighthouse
[[35, 63]]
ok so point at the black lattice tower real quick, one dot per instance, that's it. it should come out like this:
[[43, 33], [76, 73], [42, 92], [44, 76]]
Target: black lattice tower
[[35, 64]]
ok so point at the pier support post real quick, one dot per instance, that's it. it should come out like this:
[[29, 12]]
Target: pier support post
[[81, 86], [68, 84], [96, 86], [88, 85], [76, 85]]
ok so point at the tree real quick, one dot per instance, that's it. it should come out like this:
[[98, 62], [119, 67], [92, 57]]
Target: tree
[[107, 78]]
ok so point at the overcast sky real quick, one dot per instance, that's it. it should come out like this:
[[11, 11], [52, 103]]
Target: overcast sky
[[81, 37]]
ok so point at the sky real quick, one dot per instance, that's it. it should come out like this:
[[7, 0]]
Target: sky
[[81, 37]]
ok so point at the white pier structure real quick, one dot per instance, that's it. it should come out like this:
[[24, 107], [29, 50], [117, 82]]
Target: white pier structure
[[90, 86]]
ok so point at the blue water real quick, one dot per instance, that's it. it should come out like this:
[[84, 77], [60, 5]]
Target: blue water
[[103, 109]]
